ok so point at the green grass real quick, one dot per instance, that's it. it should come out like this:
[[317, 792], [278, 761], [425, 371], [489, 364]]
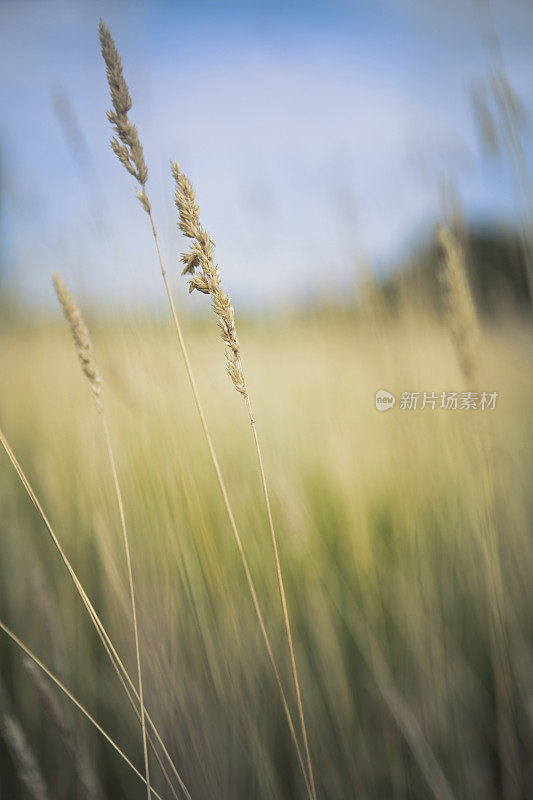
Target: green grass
[[395, 530]]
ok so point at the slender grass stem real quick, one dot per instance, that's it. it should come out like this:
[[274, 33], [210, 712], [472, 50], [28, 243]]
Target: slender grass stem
[[227, 506], [100, 629], [73, 700], [132, 595], [204, 276], [279, 575], [401, 711], [129, 151]]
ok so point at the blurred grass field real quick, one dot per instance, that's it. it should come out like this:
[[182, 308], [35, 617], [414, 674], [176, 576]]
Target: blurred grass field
[[405, 539]]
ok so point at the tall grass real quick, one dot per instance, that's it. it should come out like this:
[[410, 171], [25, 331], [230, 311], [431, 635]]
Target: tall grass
[[207, 281], [129, 151], [83, 345], [385, 522], [100, 629], [406, 548]]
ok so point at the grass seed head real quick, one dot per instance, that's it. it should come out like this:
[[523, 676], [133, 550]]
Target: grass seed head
[[81, 337], [459, 301], [204, 276], [126, 145], [27, 767]]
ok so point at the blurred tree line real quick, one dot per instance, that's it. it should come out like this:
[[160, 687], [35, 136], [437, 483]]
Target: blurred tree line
[[495, 261]]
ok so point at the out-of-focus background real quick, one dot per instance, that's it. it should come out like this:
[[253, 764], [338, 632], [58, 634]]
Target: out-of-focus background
[[316, 134], [325, 140]]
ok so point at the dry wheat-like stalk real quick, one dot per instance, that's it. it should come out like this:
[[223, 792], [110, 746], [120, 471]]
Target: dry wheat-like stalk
[[74, 745], [28, 769], [130, 155], [81, 337], [26, 650], [49, 702], [82, 341], [512, 119], [48, 611], [201, 256], [513, 116], [127, 146], [207, 281], [116, 662], [466, 333], [399, 708], [459, 302]]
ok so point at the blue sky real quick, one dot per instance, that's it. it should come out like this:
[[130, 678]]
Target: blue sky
[[315, 134]]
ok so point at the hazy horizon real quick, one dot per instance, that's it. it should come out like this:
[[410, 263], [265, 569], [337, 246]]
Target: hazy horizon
[[314, 133]]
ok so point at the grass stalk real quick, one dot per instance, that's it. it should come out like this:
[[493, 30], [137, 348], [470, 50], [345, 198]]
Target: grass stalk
[[132, 598], [281, 587], [128, 150], [73, 700], [399, 708], [207, 281], [229, 510], [465, 327], [100, 629], [84, 347], [27, 766]]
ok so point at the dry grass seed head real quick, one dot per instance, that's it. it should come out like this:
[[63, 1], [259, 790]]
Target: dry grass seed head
[[74, 744], [127, 147], [81, 337], [459, 302], [28, 769], [207, 281]]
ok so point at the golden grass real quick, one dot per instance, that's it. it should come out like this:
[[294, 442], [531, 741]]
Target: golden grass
[[30, 769], [117, 663], [404, 560], [383, 519], [208, 281], [83, 344], [129, 151], [458, 298]]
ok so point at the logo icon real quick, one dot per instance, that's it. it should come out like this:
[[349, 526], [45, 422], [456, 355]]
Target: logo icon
[[384, 400]]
